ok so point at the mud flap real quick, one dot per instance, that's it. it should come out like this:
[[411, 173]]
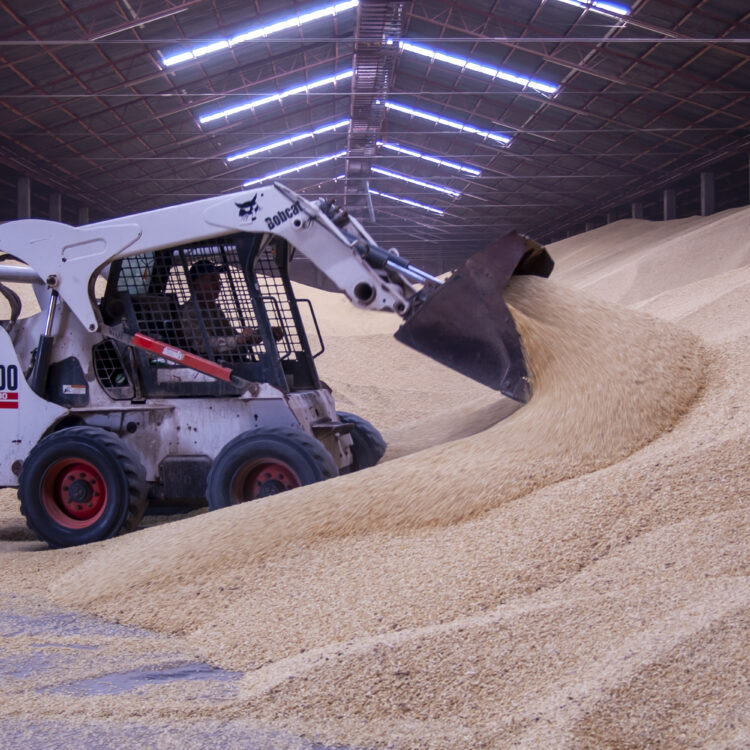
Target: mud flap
[[465, 324]]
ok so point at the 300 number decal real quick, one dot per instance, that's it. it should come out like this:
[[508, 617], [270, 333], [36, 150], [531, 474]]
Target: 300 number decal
[[8, 378]]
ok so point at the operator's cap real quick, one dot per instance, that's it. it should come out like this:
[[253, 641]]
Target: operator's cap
[[204, 268]]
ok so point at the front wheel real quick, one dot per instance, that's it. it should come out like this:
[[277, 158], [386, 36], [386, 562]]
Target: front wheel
[[368, 444], [81, 485], [264, 462]]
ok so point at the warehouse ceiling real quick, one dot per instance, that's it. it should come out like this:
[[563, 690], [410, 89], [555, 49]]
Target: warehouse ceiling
[[438, 124]]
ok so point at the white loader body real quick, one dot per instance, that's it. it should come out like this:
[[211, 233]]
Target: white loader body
[[171, 362], [80, 362]]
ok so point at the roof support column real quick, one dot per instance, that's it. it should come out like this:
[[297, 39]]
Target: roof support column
[[670, 204], [83, 215], [636, 210], [708, 194], [55, 207], [23, 187]]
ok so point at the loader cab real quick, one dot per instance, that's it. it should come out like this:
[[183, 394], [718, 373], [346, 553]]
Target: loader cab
[[249, 321]]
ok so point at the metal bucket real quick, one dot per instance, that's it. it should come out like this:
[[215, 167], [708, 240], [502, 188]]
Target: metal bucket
[[465, 324]]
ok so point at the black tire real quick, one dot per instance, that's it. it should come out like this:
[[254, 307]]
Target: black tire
[[105, 494], [264, 462], [369, 445]]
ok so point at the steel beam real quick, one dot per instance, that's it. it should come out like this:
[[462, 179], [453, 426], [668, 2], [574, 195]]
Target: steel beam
[[55, 207], [670, 204], [708, 194], [378, 30], [24, 197]]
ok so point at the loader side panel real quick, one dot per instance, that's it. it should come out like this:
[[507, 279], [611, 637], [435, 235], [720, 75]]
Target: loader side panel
[[195, 427], [24, 416]]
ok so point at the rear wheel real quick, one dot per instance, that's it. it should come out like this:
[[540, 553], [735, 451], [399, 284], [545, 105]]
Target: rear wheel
[[264, 462], [368, 444], [81, 485]]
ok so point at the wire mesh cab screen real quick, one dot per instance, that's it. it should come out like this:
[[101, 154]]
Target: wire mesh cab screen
[[228, 300]]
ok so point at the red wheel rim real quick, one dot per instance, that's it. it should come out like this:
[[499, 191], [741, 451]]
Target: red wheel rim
[[262, 478], [74, 493]]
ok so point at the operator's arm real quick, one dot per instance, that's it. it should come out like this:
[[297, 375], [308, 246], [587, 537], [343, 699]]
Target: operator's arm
[[222, 337]]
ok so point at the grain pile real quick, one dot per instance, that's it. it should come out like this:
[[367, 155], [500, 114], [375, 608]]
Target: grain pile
[[573, 576], [606, 381]]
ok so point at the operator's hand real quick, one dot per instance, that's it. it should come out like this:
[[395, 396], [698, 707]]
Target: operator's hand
[[250, 336]]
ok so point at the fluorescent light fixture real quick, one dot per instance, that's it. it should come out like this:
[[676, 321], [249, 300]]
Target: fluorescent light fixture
[[503, 140], [487, 70], [255, 103], [599, 6], [288, 141], [295, 168], [415, 181], [408, 202], [259, 32], [429, 157]]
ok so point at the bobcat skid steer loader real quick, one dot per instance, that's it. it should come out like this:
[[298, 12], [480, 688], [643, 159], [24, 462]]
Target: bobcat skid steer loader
[[170, 362]]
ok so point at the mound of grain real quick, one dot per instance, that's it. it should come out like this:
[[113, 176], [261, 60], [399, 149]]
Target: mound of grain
[[609, 609], [660, 661], [633, 260], [390, 384], [714, 308], [606, 381], [450, 423], [606, 611]]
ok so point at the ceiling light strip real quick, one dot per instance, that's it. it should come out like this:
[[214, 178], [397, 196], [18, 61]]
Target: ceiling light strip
[[255, 103], [429, 157], [415, 181], [408, 202], [503, 140], [296, 168], [506, 75], [288, 141], [259, 32], [599, 6]]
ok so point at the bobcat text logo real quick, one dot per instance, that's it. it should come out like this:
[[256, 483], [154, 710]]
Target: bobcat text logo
[[282, 216], [249, 208]]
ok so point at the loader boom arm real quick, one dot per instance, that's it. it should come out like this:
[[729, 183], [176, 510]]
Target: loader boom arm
[[69, 259], [467, 314]]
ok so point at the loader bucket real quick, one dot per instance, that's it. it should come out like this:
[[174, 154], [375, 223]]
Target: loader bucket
[[465, 325]]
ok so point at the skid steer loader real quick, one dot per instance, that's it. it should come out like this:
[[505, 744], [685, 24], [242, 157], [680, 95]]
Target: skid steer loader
[[170, 362]]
